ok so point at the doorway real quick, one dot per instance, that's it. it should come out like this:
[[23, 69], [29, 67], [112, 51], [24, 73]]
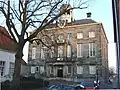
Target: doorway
[[60, 72]]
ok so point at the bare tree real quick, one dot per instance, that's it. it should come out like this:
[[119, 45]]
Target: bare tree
[[23, 15]]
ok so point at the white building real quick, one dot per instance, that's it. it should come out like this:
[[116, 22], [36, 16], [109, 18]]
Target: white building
[[7, 60], [7, 56]]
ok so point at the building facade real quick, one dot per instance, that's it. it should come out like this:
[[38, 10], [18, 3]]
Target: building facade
[[76, 50], [7, 56]]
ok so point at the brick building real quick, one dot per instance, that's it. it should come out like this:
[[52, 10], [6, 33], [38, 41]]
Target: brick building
[[74, 50]]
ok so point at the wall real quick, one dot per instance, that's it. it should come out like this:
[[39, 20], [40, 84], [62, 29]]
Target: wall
[[7, 57]]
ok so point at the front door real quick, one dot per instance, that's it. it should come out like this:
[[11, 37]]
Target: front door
[[60, 72]]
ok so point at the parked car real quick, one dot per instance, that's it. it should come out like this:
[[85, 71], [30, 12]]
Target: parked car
[[88, 85], [61, 87]]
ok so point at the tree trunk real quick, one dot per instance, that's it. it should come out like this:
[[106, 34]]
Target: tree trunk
[[17, 68]]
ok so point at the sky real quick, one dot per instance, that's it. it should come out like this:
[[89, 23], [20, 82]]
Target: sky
[[101, 12]]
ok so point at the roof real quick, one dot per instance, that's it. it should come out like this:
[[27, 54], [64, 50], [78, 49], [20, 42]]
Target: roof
[[5, 42], [75, 22], [84, 21]]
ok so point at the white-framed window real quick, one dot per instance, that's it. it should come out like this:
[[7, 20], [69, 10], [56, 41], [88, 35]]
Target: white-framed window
[[91, 34], [79, 70], [69, 50], [2, 67], [34, 52], [79, 50], [60, 51], [92, 49], [79, 35], [42, 69], [43, 52], [68, 69], [69, 36], [37, 68], [92, 69]]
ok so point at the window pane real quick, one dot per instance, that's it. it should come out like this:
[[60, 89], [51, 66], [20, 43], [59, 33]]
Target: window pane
[[79, 70], [43, 52], [91, 34], [2, 67], [79, 48], [69, 69], [92, 49], [34, 52], [68, 51], [60, 51], [92, 69]]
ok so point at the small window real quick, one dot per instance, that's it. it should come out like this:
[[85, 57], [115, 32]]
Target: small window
[[91, 34], [79, 35]]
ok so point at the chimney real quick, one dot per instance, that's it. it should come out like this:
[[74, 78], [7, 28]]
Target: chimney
[[89, 15]]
